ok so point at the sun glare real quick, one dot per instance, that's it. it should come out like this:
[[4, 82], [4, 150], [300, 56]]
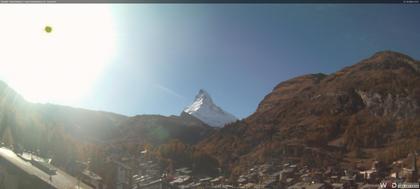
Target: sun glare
[[54, 53]]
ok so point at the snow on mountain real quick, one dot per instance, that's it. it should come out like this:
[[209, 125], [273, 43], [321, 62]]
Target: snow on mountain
[[205, 110]]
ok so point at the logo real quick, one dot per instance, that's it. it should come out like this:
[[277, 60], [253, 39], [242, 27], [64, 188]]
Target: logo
[[398, 185]]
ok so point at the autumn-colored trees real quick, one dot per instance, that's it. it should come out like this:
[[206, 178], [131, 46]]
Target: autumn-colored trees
[[180, 155]]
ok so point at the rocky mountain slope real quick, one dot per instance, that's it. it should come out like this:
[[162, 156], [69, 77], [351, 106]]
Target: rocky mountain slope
[[207, 111], [368, 110]]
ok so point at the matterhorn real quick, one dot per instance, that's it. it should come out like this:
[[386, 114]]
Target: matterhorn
[[204, 109]]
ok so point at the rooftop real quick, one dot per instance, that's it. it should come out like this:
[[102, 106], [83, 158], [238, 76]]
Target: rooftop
[[60, 180]]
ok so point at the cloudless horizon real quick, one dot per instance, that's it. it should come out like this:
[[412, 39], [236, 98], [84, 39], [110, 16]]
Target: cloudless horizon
[[165, 53]]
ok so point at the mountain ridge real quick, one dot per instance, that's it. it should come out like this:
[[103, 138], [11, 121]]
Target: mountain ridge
[[66, 132], [316, 113]]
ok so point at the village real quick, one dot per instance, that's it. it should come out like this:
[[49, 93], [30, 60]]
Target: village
[[149, 175], [144, 172]]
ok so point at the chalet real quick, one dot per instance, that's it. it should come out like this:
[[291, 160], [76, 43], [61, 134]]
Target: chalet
[[205, 181], [180, 180], [92, 179], [183, 171], [368, 174], [123, 175], [157, 184], [217, 180]]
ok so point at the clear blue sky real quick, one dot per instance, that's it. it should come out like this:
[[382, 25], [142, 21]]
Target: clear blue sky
[[238, 53]]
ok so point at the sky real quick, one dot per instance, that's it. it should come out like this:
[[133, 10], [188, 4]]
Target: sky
[[165, 53]]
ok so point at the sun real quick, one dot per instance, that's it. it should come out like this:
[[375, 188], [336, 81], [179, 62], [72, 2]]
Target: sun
[[48, 29], [55, 53]]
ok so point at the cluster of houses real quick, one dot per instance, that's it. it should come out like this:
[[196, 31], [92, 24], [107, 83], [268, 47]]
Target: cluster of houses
[[143, 172], [148, 174], [293, 176], [184, 179]]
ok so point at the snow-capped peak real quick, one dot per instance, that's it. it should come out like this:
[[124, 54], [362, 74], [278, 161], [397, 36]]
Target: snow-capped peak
[[205, 110]]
